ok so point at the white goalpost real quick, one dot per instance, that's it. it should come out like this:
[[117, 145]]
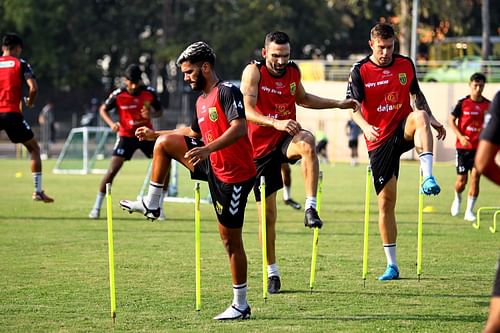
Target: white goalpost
[[84, 150]]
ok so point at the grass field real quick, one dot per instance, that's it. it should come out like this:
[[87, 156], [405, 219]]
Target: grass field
[[54, 266]]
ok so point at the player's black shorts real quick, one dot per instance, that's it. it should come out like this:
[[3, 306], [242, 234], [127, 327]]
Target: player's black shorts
[[269, 166], [496, 284], [126, 146], [229, 200], [16, 127], [464, 160], [353, 143], [321, 145], [384, 160]]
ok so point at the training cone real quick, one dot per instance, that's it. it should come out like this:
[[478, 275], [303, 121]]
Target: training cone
[[428, 209]]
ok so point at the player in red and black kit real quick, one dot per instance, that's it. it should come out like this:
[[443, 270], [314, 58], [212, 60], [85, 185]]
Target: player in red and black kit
[[13, 71], [271, 89], [135, 104], [489, 146], [383, 83], [466, 120], [223, 158]]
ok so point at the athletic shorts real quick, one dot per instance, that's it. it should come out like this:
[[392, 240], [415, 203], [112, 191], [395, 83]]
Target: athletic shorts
[[321, 145], [384, 160], [496, 284], [126, 146], [16, 127], [464, 160], [229, 199], [353, 143], [269, 166]]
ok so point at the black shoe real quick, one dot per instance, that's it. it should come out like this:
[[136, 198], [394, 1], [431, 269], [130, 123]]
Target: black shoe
[[273, 284], [311, 219], [292, 203]]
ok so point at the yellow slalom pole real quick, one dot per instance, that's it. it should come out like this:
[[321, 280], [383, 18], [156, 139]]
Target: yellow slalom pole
[[197, 244], [263, 235], [367, 222], [316, 233], [420, 225], [109, 210]]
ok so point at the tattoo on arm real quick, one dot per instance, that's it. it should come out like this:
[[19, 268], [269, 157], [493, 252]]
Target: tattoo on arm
[[421, 103]]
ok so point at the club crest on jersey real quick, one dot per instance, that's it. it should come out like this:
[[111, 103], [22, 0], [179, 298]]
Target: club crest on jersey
[[212, 114], [293, 88], [402, 78]]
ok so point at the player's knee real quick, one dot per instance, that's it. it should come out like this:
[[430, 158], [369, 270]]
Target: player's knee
[[306, 144], [421, 118]]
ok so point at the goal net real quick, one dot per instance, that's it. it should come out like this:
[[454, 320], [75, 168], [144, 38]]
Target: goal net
[[85, 151]]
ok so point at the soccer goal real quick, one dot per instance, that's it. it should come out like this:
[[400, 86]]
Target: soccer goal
[[85, 150]]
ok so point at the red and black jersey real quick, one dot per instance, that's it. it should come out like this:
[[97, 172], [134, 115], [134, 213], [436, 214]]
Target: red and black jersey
[[214, 113], [384, 93], [276, 99], [13, 71], [128, 107], [470, 116]]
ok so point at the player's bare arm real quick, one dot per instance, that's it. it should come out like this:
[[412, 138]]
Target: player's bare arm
[[250, 90], [237, 129], [421, 104], [145, 133], [115, 126], [32, 92], [464, 139], [311, 101], [371, 132]]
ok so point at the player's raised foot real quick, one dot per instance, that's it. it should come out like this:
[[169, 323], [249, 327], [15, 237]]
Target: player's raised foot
[[391, 273], [469, 216], [94, 214], [139, 206], [455, 207], [273, 284], [41, 196], [233, 313], [311, 218], [429, 186], [292, 203]]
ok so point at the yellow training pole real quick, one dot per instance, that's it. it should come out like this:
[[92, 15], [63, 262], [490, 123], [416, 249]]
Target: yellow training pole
[[368, 187], [197, 244], [316, 233], [420, 225], [263, 235], [109, 210]]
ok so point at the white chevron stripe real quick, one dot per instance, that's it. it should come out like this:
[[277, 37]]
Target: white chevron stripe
[[236, 196], [233, 211], [235, 204], [237, 189]]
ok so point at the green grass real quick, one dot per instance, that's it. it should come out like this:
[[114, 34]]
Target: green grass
[[54, 261]]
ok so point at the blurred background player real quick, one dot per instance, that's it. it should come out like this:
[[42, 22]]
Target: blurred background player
[[321, 143], [466, 121], [13, 71], [135, 104], [353, 131], [286, 174]]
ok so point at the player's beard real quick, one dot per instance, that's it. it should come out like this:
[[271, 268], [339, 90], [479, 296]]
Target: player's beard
[[200, 82]]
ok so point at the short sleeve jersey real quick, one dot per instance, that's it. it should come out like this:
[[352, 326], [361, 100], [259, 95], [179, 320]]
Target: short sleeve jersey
[[470, 116], [384, 93], [214, 113], [13, 72], [276, 99], [129, 108], [491, 126]]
